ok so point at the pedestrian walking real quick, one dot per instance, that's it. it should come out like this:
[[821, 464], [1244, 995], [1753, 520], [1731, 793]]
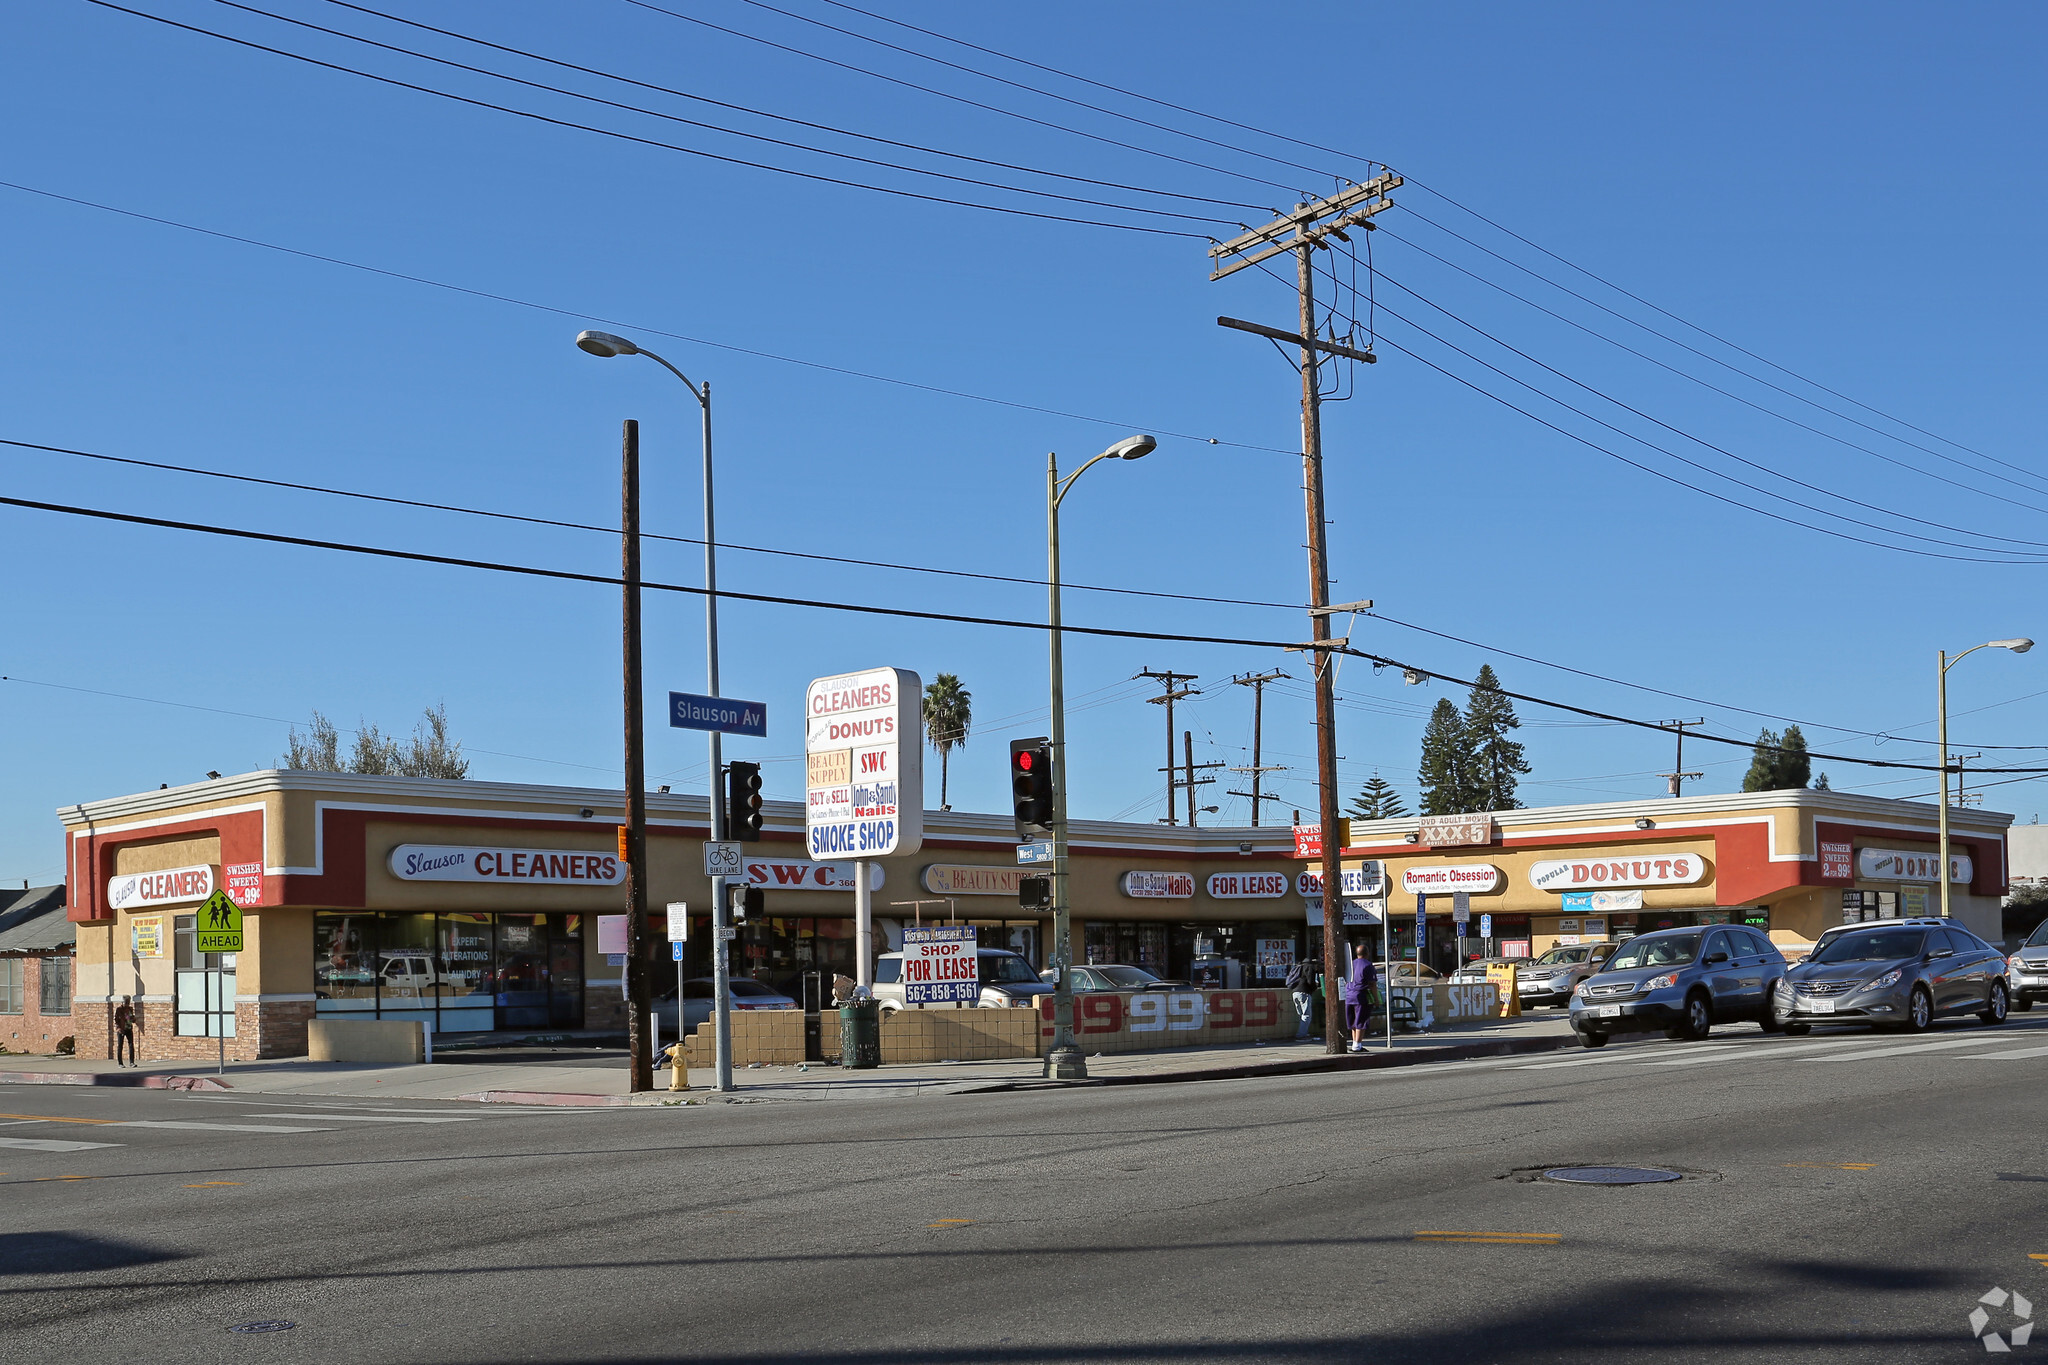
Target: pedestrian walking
[[1361, 985], [124, 1030], [1301, 979]]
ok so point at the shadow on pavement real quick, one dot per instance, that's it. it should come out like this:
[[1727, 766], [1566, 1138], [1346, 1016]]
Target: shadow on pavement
[[72, 1253]]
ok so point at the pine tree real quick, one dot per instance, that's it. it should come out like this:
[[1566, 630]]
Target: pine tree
[[1446, 772], [1763, 764], [1496, 761], [1794, 768], [1377, 800]]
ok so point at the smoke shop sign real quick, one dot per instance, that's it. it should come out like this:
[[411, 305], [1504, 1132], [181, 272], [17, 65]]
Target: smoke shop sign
[[1585, 874], [525, 866], [1367, 879], [1159, 886]]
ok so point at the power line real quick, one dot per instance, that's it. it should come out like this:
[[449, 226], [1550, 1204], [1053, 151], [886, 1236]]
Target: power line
[[763, 113], [613, 530], [631, 326], [532, 571], [645, 141]]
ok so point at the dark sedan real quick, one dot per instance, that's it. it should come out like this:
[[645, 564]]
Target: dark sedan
[[1897, 975]]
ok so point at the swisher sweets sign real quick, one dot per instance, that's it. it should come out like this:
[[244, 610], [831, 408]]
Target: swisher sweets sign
[[864, 764]]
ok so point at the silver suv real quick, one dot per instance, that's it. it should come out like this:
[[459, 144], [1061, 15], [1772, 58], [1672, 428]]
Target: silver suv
[[1551, 979], [2027, 970]]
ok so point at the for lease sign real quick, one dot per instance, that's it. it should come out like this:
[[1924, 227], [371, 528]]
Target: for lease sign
[[939, 966], [864, 764]]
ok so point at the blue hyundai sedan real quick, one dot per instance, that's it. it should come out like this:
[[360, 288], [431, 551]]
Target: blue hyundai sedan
[[1683, 981]]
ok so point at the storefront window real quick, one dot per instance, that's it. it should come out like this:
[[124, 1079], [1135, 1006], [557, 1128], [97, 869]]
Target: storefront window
[[464, 953], [344, 964], [204, 987], [522, 983], [56, 985], [1131, 943], [457, 973], [408, 982]]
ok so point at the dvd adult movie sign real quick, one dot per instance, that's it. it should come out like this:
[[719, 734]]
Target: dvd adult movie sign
[[864, 764]]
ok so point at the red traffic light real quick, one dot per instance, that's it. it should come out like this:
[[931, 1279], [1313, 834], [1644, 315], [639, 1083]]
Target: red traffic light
[[1025, 759]]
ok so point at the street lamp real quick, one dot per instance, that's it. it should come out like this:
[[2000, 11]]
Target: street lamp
[[1065, 1061], [2018, 646], [605, 346]]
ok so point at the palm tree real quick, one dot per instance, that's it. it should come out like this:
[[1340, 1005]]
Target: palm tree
[[948, 712]]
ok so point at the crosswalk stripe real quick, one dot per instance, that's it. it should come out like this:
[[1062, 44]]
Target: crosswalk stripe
[[54, 1145], [1576, 1061], [197, 1127], [2003, 1056], [375, 1118], [1904, 1049]]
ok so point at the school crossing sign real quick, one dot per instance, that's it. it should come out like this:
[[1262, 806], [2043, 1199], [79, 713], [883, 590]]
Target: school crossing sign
[[864, 764], [218, 927]]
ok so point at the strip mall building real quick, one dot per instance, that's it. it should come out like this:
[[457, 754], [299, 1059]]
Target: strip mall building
[[473, 906]]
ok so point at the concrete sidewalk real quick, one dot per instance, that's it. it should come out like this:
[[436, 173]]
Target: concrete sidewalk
[[583, 1076]]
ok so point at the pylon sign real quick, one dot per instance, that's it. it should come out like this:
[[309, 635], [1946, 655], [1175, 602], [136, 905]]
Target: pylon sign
[[864, 764], [219, 925]]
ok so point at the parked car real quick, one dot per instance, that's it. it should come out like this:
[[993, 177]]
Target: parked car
[[1409, 973], [1551, 978], [1114, 976], [2027, 970], [411, 974], [1896, 974], [1473, 973], [699, 997], [1006, 979], [1683, 981]]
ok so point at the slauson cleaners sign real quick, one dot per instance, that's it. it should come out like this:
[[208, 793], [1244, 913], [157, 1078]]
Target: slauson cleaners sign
[[1576, 874], [160, 888], [528, 866]]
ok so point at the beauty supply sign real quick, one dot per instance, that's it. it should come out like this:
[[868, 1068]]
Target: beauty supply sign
[[864, 764]]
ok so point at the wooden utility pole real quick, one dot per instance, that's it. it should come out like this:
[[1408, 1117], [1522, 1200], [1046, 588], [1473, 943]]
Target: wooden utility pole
[[1302, 232], [1187, 738], [1172, 694], [1257, 683], [639, 1046], [1678, 775]]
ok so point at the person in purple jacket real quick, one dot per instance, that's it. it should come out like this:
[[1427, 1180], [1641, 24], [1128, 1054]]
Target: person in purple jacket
[[1361, 983]]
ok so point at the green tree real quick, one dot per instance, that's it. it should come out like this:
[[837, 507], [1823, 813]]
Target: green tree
[[948, 715], [1778, 762], [1496, 762], [1377, 800], [429, 752], [1446, 775]]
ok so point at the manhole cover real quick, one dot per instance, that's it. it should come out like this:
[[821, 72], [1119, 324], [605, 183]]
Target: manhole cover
[[272, 1326], [1610, 1175]]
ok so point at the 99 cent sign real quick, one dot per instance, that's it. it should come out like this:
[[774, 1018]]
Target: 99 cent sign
[[864, 764]]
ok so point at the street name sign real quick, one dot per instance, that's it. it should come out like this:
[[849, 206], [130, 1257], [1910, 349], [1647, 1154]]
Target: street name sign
[[723, 858], [1034, 852], [688, 711], [864, 764], [219, 925]]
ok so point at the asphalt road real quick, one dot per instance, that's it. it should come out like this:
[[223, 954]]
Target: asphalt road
[[1848, 1197]]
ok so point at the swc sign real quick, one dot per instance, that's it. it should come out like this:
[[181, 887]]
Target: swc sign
[[939, 966]]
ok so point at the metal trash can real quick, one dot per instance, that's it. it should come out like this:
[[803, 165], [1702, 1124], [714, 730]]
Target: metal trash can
[[860, 1034]]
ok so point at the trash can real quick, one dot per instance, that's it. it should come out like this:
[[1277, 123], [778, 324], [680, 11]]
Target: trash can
[[860, 1034]]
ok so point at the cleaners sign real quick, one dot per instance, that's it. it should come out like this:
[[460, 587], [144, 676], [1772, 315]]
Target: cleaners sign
[[864, 764], [939, 966], [529, 866]]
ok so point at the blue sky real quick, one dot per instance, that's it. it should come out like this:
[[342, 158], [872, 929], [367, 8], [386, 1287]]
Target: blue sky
[[1844, 190]]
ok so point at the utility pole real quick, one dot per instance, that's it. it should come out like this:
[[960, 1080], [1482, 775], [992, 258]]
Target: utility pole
[[1963, 799], [1187, 738], [1303, 232], [1257, 683], [1173, 693], [639, 1046], [1678, 774]]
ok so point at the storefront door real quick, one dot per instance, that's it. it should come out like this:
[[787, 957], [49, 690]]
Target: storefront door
[[522, 972], [565, 972]]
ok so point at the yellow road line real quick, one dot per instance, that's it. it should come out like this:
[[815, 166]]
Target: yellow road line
[[209, 1184], [949, 1223], [1835, 1165], [52, 1118], [2041, 1256]]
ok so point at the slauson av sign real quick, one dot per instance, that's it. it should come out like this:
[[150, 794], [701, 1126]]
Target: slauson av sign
[[864, 764]]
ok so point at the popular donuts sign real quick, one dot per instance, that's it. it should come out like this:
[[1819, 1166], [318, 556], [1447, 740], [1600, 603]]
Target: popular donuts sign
[[1574, 874]]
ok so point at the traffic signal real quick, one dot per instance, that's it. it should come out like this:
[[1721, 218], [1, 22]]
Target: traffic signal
[[747, 901], [1034, 893], [743, 802], [1031, 785]]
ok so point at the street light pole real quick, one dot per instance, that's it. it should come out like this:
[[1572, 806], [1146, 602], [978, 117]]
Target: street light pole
[[1065, 1061], [606, 346], [1943, 665]]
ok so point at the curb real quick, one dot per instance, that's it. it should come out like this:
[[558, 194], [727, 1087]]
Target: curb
[[1455, 1052], [113, 1078]]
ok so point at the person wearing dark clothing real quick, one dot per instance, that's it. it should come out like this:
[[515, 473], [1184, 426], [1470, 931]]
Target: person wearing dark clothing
[[124, 1030], [1361, 984], [1301, 979]]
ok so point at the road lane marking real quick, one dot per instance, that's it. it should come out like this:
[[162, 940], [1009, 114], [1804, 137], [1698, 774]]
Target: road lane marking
[[2004, 1056], [1536, 1239], [1842, 1051], [950, 1223], [379, 1118], [1906, 1049], [1835, 1165], [54, 1145], [210, 1184], [1576, 1061], [219, 1127], [52, 1118]]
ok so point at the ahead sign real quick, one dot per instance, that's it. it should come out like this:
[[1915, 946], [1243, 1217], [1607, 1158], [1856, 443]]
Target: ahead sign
[[219, 926]]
